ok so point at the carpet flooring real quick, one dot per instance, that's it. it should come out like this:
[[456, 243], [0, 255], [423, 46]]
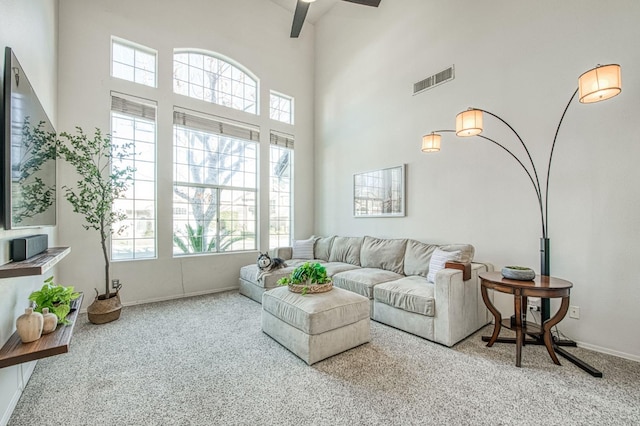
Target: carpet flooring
[[205, 361]]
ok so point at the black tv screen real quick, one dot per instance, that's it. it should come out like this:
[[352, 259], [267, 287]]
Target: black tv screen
[[29, 165]]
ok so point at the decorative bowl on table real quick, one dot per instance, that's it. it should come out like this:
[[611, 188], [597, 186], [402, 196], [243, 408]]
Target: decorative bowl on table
[[518, 273]]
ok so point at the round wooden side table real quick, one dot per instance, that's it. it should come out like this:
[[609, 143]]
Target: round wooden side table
[[541, 286]]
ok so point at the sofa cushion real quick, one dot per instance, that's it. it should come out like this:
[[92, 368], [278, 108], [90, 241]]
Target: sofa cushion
[[322, 248], [467, 251], [383, 254], [412, 294], [303, 249], [269, 280], [363, 280], [283, 253], [337, 267], [417, 258], [438, 260], [346, 249]]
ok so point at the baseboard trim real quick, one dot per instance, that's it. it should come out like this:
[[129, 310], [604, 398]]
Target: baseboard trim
[[608, 351], [174, 297]]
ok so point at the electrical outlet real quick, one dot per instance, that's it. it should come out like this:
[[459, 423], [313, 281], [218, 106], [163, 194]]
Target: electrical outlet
[[574, 312], [115, 284], [533, 303]]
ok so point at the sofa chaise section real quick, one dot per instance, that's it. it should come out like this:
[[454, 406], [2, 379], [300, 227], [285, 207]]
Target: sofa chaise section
[[445, 312]]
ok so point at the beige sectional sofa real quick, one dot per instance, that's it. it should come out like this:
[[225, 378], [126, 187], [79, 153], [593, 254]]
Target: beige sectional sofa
[[394, 275]]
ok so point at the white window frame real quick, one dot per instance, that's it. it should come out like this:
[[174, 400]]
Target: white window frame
[[282, 96], [281, 141], [137, 48], [232, 64], [215, 127], [132, 190]]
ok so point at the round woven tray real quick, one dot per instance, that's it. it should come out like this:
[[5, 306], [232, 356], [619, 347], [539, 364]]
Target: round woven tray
[[311, 288]]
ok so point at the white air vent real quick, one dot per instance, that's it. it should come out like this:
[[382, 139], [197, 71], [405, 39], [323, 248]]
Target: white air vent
[[434, 80]]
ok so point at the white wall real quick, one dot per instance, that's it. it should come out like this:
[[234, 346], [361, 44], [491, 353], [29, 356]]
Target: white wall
[[254, 33], [29, 28], [521, 61]]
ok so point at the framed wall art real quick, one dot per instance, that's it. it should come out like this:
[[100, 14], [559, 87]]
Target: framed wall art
[[379, 193]]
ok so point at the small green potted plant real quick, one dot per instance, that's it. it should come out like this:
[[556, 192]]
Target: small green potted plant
[[56, 298], [308, 278]]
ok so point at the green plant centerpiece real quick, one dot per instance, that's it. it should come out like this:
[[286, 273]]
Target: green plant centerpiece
[[56, 298], [310, 277], [104, 176]]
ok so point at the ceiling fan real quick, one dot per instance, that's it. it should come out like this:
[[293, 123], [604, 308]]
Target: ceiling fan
[[303, 6]]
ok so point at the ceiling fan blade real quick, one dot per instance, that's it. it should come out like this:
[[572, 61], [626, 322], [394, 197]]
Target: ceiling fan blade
[[374, 3], [298, 18]]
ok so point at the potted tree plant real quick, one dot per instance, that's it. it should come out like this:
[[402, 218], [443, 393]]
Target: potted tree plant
[[104, 177]]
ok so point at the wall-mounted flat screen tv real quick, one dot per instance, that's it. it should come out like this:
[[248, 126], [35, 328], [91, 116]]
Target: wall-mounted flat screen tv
[[28, 153]]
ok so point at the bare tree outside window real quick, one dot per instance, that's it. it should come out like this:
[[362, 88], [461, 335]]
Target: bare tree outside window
[[214, 193]]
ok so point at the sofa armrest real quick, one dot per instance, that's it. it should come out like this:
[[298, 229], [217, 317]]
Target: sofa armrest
[[283, 253], [459, 307]]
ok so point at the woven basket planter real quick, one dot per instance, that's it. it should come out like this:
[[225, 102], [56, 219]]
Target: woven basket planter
[[311, 288], [104, 310]]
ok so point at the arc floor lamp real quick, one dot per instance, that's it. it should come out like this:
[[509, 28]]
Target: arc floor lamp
[[598, 84]]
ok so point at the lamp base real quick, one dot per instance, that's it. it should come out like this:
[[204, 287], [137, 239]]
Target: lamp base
[[557, 348], [545, 269]]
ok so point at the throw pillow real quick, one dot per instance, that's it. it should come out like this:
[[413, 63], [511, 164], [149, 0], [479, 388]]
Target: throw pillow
[[303, 249], [322, 248], [438, 259]]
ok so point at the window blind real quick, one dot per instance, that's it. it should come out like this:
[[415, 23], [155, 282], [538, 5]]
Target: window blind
[[131, 106], [281, 139], [213, 125]]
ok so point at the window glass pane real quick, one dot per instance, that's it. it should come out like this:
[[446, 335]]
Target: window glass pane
[[280, 196], [123, 71], [145, 61], [123, 54], [137, 238], [207, 216], [133, 63], [121, 249], [214, 80], [180, 88], [281, 108]]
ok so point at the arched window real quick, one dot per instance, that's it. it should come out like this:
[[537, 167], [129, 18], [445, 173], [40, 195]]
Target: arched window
[[212, 78]]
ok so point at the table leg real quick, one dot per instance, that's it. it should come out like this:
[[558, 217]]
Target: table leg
[[523, 311], [548, 324], [496, 315], [517, 304]]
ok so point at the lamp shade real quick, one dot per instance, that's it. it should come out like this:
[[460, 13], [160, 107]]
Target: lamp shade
[[469, 123], [600, 83], [431, 142]]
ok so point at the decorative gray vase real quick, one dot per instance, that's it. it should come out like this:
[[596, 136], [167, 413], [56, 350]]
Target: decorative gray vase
[[518, 273]]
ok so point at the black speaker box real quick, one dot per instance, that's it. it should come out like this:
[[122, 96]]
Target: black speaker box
[[26, 247]]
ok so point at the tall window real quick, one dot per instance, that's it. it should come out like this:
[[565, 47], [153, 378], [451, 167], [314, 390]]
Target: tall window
[[215, 185], [133, 62], [281, 107], [134, 122], [280, 190], [213, 79]]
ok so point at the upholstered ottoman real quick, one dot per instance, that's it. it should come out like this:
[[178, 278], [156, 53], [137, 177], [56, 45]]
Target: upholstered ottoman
[[316, 326]]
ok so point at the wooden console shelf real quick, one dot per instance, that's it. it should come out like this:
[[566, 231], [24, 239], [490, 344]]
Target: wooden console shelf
[[56, 343], [36, 265]]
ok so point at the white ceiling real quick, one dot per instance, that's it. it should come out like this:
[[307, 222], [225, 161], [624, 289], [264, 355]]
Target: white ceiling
[[316, 9]]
